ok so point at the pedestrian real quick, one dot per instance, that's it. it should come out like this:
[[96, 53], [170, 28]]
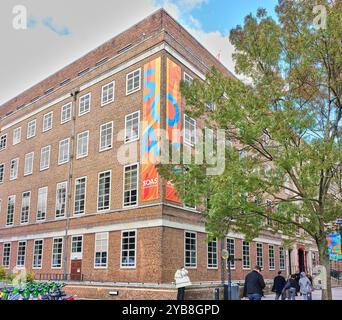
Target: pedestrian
[[278, 286], [182, 281], [291, 287], [254, 284], [305, 286]]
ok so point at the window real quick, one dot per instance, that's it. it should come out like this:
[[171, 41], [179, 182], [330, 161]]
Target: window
[[132, 127], [76, 247], [3, 142], [212, 254], [25, 207], [107, 93], [133, 81], [101, 250], [16, 136], [84, 104], [61, 195], [14, 169], [106, 136], [10, 210], [6, 255], [42, 203], [47, 121], [66, 113], [80, 194], [259, 255], [45, 158], [271, 262], [2, 172], [37, 254], [190, 249], [28, 167], [63, 151], [189, 130], [21, 254], [246, 262], [128, 249], [57, 249], [82, 144], [188, 79], [131, 185], [281, 258], [231, 251], [103, 198], [31, 129]]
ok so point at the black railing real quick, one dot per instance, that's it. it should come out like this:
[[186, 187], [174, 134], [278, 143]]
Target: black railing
[[336, 274], [58, 277]]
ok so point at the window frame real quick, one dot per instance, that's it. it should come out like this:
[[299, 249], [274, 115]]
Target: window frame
[[52, 253], [15, 139], [49, 114], [125, 134], [2, 175], [77, 142], [25, 162], [244, 267], [29, 127], [101, 149], [214, 266], [232, 264], [41, 157], [102, 92], [3, 138], [258, 256], [185, 141], [59, 152], [85, 197], [7, 211], [68, 105], [66, 199], [123, 194], [21, 266], [11, 177], [98, 190], [107, 251], [128, 250], [29, 208], [41, 254], [282, 268], [46, 204], [76, 255], [140, 79], [6, 266], [187, 75], [271, 268], [79, 104], [190, 266]]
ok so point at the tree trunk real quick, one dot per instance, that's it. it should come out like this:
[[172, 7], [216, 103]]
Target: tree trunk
[[324, 260]]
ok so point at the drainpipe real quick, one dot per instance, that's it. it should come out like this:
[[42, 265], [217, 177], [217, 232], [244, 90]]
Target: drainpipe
[[74, 94]]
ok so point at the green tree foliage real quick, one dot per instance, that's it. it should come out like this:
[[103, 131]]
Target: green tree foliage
[[284, 120]]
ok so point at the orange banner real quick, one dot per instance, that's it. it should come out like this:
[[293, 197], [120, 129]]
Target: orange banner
[[150, 143], [173, 118]]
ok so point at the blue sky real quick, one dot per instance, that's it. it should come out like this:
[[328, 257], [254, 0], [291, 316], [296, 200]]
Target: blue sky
[[56, 37]]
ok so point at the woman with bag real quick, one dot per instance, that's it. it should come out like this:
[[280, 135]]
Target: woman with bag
[[305, 286]]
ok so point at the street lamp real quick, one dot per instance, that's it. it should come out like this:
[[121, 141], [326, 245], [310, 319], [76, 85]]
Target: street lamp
[[228, 258]]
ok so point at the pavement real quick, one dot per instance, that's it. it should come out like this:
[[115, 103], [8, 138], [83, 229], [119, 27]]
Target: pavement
[[316, 295]]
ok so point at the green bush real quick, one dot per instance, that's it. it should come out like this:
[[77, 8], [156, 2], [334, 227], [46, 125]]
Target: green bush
[[30, 277], [2, 273], [10, 277]]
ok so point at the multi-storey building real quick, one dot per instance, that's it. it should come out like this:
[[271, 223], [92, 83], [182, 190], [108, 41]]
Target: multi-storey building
[[68, 203]]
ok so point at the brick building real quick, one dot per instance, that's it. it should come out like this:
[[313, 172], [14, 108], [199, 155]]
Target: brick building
[[68, 205]]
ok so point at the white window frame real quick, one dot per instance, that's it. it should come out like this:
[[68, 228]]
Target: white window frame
[[271, 268], [102, 149], [212, 267], [47, 128], [79, 104], [135, 249], [41, 254], [43, 150], [76, 255], [104, 103], [196, 253], [187, 78], [13, 213], [21, 266], [16, 136], [282, 268], [140, 78], [63, 110], [30, 135], [185, 140], [3, 138], [98, 190], [232, 263], [2, 165], [85, 197], [107, 246], [123, 185], [52, 254], [77, 145], [66, 199], [46, 203], [29, 208], [126, 141], [59, 151], [5, 244], [258, 256], [14, 176], [249, 255], [27, 155]]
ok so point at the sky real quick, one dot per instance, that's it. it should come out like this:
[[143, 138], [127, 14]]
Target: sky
[[60, 31]]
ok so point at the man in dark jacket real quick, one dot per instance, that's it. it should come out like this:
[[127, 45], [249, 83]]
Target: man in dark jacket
[[254, 285], [278, 286]]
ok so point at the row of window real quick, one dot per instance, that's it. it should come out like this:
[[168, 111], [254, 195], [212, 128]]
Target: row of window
[[212, 253], [128, 251], [130, 197], [133, 84], [82, 142]]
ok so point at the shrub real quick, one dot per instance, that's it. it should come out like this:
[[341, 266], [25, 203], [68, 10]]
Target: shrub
[[2, 273]]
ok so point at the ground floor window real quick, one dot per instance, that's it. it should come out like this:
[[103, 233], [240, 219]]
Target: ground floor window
[[281, 258], [101, 250], [231, 251], [57, 249], [76, 246], [259, 255], [246, 261], [21, 254], [190, 249], [212, 254], [271, 257], [37, 254], [6, 255], [128, 249]]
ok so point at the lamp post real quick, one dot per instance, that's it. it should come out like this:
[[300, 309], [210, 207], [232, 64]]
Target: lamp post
[[227, 257]]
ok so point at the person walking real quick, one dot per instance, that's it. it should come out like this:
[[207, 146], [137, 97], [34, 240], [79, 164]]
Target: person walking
[[182, 281], [291, 287], [278, 286], [305, 286], [254, 284]]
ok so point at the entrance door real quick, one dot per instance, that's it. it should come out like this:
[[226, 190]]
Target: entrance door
[[76, 270], [301, 260]]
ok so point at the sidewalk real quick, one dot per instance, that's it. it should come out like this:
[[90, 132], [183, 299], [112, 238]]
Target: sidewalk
[[316, 295]]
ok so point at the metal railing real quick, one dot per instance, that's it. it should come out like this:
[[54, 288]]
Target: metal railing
[[57, 277]]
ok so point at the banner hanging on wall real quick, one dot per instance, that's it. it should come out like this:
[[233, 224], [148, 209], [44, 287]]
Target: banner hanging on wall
[[150, 142], [334, 247]]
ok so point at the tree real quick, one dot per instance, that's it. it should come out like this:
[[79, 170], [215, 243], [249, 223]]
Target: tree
[[285, 123]]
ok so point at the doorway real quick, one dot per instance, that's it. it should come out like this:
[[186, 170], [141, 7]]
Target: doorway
[[76, 270]]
